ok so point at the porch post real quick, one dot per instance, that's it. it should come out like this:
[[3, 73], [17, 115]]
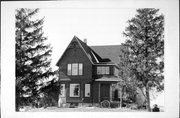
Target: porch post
[[99, 92], [110, 92]]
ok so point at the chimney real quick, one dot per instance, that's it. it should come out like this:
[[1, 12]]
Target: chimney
[[85, 41]]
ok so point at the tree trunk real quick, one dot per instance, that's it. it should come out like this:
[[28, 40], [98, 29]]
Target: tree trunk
[[147, 99]]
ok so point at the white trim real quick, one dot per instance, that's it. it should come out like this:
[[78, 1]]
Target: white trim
[[76, 38], [67, 48], [87, 92], [95, 57], [64, 53], [103, 64], [71, 92], [83, 49]]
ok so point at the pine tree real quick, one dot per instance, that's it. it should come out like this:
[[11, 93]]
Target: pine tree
[[128, 84], [145, 42], [32, 55]]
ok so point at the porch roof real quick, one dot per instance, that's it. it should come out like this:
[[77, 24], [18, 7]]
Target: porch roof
[[63, 77], [108, 79]]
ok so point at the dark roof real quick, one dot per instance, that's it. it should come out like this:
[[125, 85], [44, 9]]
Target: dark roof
[[90, 53], [99, 54], [108, 51]]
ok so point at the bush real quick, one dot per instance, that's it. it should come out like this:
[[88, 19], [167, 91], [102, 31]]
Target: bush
[[114, 104]]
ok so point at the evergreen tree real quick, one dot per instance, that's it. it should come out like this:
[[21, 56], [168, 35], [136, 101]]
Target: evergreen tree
[[129, 83], [145, 43], [32, 55]]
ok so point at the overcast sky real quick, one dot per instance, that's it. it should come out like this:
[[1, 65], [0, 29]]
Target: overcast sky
[[100, 22], [100, 26]]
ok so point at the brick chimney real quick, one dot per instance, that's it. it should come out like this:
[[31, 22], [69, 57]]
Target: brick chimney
[[85, 41]]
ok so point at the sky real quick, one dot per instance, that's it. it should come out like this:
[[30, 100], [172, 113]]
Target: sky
[[100, 26]]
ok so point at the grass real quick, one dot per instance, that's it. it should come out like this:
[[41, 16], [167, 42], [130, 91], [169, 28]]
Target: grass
[[81, 109]]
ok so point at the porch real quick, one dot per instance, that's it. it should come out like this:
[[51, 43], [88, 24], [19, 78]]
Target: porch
[[109, 92]]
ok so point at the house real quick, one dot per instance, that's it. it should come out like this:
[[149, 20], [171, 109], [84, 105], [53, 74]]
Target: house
[[88, 74]]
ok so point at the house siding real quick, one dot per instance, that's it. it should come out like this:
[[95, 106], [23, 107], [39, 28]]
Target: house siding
[[77, 55], [95, 92], [79, 52]]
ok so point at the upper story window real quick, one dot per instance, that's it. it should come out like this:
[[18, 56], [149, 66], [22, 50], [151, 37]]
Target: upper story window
[[75, 69], [103, 70]]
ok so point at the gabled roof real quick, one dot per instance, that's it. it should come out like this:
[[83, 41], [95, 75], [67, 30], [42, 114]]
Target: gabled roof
[[108, 51], [98, 54], [92, 56], [95, 58]]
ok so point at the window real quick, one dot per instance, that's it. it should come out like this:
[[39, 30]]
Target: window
[[87, 90], [80, 69], [62, 90], [98, 70], [75, 69], [69, 69], [107, 70], [74, 90], [102, 70]]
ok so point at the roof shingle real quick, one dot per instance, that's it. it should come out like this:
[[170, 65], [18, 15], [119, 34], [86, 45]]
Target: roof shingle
[[108, 51]]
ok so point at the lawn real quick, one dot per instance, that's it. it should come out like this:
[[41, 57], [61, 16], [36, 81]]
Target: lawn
[[81, 109]]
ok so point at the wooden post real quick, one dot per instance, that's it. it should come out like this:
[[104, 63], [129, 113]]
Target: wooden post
[[99, 91], [110, 92], [121, 96]]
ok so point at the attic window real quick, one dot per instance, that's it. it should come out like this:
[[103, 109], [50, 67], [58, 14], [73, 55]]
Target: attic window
[[73, 45]]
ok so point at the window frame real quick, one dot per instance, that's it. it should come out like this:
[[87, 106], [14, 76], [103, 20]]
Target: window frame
[[71, 92], [69, 69], [103, 70], [62, 90], [75, 69], [99, 70], [89, 90], [107, 70]]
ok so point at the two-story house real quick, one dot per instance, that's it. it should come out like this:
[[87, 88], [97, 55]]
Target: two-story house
[[87, 74]]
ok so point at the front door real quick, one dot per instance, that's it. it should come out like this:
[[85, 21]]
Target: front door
[[104, 91], [62, 95]]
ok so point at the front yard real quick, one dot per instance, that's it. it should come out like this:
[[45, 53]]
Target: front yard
[[80, 109]]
